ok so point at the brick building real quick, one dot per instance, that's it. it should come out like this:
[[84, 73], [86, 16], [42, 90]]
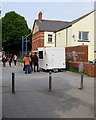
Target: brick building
[[44, 32], [80, 32], [78, 37]]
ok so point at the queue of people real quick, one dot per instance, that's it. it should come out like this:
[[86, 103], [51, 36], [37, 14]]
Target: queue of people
[[9, 59], [29, 60]]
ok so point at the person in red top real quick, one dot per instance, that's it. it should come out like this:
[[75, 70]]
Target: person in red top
[[27, 61]]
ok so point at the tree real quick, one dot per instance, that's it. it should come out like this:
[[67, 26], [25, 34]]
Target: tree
[[14, 27]]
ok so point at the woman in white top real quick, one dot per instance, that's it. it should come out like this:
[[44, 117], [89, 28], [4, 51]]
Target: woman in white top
[[15, 59]]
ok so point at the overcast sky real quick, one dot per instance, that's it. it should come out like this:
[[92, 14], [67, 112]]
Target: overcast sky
[[65, 11]]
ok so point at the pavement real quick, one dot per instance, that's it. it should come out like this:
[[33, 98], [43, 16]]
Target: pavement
[[33, 100]]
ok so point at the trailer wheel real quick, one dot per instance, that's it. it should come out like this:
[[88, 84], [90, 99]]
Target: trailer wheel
[[59, 70], [43, 70], [55, 70]]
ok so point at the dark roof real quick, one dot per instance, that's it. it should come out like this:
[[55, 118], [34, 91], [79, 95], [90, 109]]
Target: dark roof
[[51, 25]]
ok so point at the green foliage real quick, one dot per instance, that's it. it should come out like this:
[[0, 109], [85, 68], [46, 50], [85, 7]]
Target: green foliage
[[14, 27], [71, 69], [67, 64]]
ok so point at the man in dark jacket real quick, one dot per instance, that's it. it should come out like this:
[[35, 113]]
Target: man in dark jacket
[[35, 61], [4, 60]]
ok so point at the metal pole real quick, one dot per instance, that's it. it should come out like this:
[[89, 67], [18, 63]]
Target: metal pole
[[26, 44], [50, 79], [55, 39], [82, 81], [13, 83], [22, 46]]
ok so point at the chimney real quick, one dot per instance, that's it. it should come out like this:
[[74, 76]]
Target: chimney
[[40, 16]]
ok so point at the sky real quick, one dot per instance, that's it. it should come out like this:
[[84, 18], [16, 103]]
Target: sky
[[64, 11]]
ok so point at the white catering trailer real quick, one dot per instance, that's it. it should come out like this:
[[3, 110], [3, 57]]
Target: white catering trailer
[[51, 58]]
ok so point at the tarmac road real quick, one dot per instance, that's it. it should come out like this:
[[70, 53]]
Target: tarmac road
[[33, 100]]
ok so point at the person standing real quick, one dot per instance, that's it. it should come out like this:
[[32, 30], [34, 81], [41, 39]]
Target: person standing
[[10, 60], [4, 59], [31, 60], [15, 59], [35, 61], [27, 61]]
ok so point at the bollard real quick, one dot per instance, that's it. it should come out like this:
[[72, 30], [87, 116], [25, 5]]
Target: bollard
[[50, 78], [13, 83], [81, 81]]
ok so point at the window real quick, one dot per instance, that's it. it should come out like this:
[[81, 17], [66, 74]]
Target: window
[[40, 54], [49, 38], [83, 36]]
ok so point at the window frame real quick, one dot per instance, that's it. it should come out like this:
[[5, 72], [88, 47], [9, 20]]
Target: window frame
[[50, 36], [81, 36]]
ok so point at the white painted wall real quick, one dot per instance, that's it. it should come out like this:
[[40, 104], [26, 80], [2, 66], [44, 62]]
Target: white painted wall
[[86, 24], [61, 38], [95, 34], [46, 43], [64, 37]]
